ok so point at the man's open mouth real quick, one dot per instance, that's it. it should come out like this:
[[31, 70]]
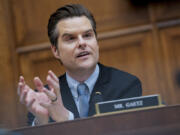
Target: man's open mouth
[[83, 54]]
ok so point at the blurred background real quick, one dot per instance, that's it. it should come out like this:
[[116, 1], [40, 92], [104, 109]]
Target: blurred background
[[141, 37]]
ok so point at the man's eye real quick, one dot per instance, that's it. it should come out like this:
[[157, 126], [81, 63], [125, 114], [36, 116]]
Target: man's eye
[[69, 38], [88, 35]]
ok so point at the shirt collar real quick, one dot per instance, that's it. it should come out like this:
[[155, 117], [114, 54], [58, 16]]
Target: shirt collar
[[90, 82]]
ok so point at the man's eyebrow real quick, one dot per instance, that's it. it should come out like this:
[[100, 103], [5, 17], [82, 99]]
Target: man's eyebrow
[[66, 34], [90, 30]]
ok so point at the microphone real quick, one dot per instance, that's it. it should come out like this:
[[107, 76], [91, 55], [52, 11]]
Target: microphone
[[98, 97]]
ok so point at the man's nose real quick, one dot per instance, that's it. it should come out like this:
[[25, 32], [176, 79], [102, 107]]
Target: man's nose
[[81, 42]]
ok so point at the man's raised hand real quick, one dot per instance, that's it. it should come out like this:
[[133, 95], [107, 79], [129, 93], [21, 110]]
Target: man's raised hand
[[32, 99], [56, 109]]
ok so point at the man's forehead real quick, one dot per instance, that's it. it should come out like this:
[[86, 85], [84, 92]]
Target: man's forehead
[[74, 24]]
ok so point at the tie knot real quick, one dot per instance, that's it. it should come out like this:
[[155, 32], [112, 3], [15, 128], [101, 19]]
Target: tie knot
[[82, 89]]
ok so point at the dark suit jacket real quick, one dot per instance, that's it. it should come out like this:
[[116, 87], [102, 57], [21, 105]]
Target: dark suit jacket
[[112, 83]]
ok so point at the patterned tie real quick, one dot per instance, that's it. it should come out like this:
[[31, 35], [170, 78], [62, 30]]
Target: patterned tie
[[83, 92]]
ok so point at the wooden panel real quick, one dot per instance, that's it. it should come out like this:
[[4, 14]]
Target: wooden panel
[[31, 17], [166, 9], [118, 13], [8, 92], [134, 54], [170, 38]]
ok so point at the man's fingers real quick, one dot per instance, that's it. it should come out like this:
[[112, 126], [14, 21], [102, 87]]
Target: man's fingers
[[22, 92], [38, 83], [53, 85], [45, 105], [50, 93], [30, 103], [23, 96], [21, 79], [20, 84], [51, 82], [53, 76], [19, 88]]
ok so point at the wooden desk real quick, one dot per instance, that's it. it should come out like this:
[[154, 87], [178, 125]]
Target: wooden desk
[[159, 121]]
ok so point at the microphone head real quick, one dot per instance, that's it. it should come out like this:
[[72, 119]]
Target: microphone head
[[98, 93], [98, 97]]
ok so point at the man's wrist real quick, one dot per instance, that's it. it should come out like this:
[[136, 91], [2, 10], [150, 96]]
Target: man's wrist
[[37, 122], [68, 116]]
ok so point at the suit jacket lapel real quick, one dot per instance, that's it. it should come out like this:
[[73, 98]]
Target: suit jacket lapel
[[67, 97], [100, 86]]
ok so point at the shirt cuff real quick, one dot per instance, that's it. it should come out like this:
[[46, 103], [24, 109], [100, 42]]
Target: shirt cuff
[[33, 123], [71, 116]]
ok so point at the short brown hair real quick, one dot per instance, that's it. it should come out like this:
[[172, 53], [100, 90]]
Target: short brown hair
[[64, 12]]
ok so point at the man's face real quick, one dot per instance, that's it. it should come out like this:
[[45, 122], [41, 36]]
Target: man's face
[[77, 44]]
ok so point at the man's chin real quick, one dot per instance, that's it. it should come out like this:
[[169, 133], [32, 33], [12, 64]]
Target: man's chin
[[87, 65]]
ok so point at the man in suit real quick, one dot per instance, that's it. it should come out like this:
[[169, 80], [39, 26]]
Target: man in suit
[[72, 33]]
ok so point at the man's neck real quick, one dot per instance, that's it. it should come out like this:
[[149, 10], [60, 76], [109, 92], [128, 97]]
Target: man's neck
[[81, 75]]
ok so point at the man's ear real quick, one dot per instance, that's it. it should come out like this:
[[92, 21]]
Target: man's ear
[[55, 51]]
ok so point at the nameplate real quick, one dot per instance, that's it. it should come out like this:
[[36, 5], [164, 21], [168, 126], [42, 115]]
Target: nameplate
[[127, 104]]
